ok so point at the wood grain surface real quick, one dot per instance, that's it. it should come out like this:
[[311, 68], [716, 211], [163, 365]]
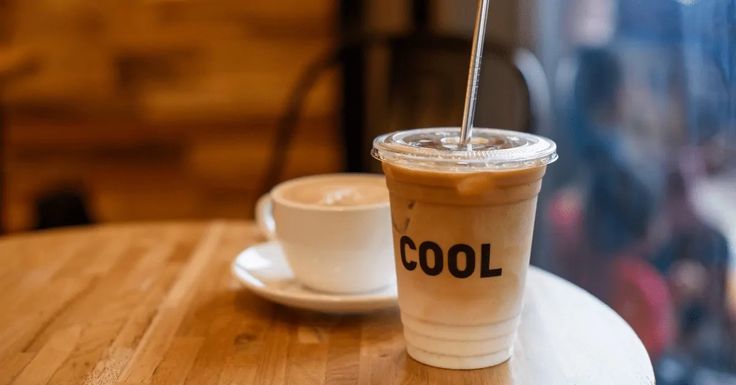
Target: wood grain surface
[[156, 304]]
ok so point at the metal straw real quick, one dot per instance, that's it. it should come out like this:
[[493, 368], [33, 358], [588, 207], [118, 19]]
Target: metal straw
[[471, 93]]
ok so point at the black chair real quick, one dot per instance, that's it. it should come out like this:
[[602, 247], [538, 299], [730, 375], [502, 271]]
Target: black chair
[[417, 62], [428, 75]]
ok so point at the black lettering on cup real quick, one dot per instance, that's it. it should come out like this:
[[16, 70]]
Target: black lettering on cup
[[406, 241], [424, 248], [452, 260], [485, 262]]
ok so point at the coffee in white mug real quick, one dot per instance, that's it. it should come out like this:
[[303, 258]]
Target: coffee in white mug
[[335, 231]]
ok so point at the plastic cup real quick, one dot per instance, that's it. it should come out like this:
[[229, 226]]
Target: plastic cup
[[463, 219]]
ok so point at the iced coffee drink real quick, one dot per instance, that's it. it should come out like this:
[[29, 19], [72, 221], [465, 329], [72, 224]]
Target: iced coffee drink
[[463, 219]]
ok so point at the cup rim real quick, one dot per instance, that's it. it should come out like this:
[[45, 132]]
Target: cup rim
[[279, 199], [437, 149]]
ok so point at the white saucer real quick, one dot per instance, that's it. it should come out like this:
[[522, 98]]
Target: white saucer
[[263, 269]]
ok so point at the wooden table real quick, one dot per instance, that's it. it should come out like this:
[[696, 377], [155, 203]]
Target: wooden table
[[156, 304]]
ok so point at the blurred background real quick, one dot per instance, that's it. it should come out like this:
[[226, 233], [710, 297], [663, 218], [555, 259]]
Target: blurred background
[[189, 109]]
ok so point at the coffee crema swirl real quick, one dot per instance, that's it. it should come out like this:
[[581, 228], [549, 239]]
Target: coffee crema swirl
[[338, 191]]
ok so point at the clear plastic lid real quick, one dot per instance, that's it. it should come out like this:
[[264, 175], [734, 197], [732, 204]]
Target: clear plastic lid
[[439, 149]]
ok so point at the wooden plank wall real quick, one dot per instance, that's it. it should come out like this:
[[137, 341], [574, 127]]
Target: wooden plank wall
[[162, 109]]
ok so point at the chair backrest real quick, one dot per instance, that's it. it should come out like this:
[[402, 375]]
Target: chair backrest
[[425, 87], [428, 77]]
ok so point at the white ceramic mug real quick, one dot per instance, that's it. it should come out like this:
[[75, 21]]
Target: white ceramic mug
[[336, 249]]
